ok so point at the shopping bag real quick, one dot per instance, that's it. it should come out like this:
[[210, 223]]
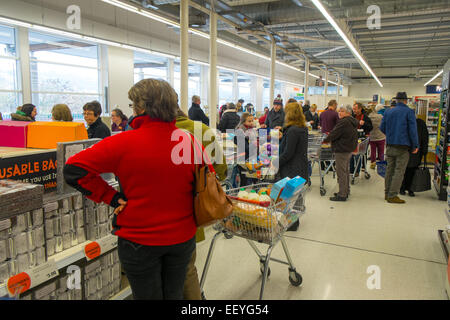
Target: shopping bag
[[210, 201], [381, 168], [421, 180]]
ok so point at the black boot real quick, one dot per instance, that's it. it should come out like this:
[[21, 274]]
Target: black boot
[[411, 194]]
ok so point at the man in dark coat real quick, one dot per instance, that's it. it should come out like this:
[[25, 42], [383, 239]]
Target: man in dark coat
[[344, 139], [275, 117], [306, 107], [415, 159], [196, 113]]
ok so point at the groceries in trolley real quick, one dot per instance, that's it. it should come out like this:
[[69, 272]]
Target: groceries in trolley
[[256, 215]]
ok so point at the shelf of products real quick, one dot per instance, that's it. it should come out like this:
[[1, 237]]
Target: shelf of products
[[442, 160]]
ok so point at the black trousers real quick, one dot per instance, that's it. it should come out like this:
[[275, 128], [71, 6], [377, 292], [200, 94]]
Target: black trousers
[[407, 179], [156, 272]]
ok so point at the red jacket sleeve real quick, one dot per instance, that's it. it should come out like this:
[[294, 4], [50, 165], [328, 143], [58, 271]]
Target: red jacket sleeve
[[82, 171]]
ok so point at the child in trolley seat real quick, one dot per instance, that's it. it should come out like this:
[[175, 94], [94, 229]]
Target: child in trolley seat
[[247, 160]]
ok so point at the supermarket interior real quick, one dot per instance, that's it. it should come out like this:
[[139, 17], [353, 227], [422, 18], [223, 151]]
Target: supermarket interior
[[325, 138]]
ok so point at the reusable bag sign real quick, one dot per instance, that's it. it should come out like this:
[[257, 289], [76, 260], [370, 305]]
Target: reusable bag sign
[[37, 168]]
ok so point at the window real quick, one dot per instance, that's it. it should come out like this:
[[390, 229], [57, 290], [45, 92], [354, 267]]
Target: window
[[10, 89], [225, 87], [63, 70], [194, 83], [244, 88], [266, 93], [149, 66]]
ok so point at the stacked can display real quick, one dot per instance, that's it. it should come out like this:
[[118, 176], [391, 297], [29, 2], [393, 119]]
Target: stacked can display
[[98, 220], [102, 277], [22, 243], [64, 224]]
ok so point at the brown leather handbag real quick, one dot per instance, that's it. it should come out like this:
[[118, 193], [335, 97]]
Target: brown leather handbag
[[210, 201]]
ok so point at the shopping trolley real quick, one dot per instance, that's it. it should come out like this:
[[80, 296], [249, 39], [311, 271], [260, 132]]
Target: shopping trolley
[[262, 224], [360, 159], [323, 156]]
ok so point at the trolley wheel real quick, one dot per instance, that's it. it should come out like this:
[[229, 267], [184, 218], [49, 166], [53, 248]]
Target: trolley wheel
[[323, 192], [262, 270], [367, 175], [295, 278], [203, 295], [353, 181], [309, 183], [228, 235]]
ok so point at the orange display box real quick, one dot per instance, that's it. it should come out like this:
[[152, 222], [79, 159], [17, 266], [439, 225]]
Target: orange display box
[[46, 135]]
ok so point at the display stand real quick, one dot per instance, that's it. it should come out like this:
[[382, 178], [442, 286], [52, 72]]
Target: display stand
[[440, 180]]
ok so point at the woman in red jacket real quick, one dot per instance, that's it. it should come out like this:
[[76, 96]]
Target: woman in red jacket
[[154, 215]]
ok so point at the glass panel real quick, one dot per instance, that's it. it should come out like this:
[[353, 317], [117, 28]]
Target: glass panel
[[8, 74], [9, 101], [60, 78], [59, 68], [244, 88], [45, 103], [225, 87], [7, 41], [10, 97], [62, 50], [194, 82], [149, 66]]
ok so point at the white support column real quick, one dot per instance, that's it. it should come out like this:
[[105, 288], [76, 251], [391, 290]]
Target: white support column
[[170, 72], [24, 55], [204, 84], [213, 97], [184, 55], [338, 88], [259, 94], [273, 57], [253, 92], [235, 88], [326, 87], [306, 81]]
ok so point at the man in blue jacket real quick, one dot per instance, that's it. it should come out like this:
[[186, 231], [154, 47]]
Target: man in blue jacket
[[400, 127]]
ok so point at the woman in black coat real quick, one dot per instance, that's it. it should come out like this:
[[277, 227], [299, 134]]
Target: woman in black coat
[[415, 159], [294, 147], [230, 119]]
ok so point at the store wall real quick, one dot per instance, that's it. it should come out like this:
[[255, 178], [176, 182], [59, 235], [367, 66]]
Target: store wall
[[120, 77], [365, 90]]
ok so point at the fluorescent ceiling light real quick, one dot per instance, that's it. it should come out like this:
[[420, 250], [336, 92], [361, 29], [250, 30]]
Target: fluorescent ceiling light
[[130, 47], [15, 22], [330, 19], [432, 79], [205, 35]]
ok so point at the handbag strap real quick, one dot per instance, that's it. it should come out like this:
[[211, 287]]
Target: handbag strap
[[195, 144]]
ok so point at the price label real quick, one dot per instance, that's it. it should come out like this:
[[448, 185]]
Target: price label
[[92, 250], [96, 248], [24, 281]]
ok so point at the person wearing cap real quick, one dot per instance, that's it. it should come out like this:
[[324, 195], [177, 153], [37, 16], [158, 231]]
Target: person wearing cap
[[275, 117], [400, 127], [306, 106], [250, 109]]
